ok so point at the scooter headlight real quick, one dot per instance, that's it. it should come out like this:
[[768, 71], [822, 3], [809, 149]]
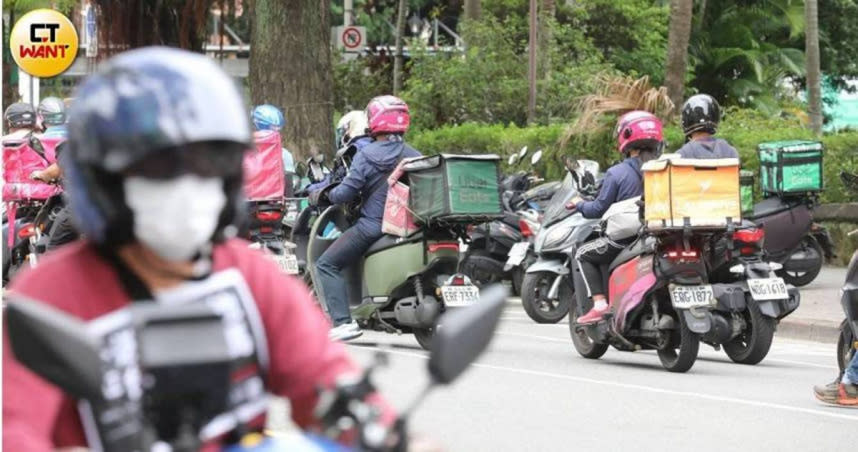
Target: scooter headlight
[[556, 237]]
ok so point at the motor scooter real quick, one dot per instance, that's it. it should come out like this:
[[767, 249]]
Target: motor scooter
[[546, 289], [168, 376], [793, 239]]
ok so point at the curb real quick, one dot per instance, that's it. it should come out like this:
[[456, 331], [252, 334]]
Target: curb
[[824, 331]]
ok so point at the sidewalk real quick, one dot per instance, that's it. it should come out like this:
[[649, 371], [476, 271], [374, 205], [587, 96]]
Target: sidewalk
[[819, 315]]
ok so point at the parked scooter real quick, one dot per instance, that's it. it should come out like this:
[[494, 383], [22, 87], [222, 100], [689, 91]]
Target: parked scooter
[[489, 244], [793, 239], [546, 289], [847, 342], [176, 408]]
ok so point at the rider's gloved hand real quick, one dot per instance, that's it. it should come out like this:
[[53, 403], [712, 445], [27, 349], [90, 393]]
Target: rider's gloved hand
[[317, 196]]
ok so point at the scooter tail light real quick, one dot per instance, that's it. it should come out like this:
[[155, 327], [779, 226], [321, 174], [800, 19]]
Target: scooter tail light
[[271, 215], [683, 255], [525, 228], [753, 235], [27, 231], [435, 247]]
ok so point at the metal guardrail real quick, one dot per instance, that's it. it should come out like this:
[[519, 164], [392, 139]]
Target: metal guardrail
[[846, 212]]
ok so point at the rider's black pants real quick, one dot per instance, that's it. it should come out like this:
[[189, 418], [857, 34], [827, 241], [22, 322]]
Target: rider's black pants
[[592, 255]]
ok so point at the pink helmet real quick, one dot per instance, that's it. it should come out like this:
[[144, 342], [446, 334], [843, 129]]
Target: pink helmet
[[387, 114], [638, 129]]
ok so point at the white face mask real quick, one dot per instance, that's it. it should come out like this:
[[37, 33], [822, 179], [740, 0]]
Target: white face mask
[[175, 218]]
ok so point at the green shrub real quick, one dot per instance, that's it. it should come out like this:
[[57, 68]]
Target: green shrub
[[743, 128]]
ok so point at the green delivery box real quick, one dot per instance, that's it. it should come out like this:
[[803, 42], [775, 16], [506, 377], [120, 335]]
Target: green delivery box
[[455, 188], [790, 167], [746, 191]]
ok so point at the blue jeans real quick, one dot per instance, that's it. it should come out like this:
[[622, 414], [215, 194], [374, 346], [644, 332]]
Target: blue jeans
[[345, 251], [851, 373]]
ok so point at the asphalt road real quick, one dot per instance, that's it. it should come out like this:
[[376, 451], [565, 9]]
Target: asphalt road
[[532, 392]]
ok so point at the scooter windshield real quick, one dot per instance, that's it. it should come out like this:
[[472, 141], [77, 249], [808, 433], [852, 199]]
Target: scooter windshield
[[557, 210]]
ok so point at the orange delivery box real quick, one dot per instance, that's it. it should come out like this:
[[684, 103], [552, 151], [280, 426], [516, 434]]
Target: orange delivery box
[[700, 194]]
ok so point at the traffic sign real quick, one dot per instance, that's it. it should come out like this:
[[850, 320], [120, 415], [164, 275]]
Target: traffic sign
[[351, 38]]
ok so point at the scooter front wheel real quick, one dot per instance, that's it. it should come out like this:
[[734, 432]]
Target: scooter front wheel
[[534, 297], [681, 354], [586, 347], [845, 347]]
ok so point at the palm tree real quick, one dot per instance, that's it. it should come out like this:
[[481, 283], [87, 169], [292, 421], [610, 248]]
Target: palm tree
[[811, 44], [678, 37]]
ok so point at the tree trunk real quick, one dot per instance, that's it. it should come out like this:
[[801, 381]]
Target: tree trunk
[[473, 9], [811, 45], [547, 13], [397, 62], [532, 55], [290, 67], [677, 49]]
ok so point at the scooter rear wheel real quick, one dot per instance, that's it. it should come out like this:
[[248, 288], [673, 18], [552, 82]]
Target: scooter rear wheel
[[585, 346], [424, 337], [679, 357], [800, 279], [754, 343]]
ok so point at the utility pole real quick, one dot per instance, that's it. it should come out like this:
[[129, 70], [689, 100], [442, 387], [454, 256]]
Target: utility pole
[[348, 12], [531, 73]]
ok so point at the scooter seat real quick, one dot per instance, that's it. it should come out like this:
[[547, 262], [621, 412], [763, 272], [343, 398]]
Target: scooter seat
[[637, 248], [389, 241], [769, 207]]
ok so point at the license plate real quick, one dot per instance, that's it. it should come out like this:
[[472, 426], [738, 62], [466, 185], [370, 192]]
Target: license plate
[[288, 263], [455, 296], [768, 289], [685, 297], [517, 253]]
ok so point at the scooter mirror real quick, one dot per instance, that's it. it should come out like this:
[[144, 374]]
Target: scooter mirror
[[464, 334], [56, 346], [512, 159], [522, 152], [537, 156]]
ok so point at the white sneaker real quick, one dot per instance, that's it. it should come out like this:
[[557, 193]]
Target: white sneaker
[[345, 332]]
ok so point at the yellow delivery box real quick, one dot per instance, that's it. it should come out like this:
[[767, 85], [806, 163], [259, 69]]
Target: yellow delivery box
[[701, 194]]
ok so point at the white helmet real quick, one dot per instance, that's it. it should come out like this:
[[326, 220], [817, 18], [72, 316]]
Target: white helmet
[[352, 125]]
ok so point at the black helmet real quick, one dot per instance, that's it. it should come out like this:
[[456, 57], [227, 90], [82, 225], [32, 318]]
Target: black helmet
[[52, 110], [20, 115], [700, 112], [156, 110]]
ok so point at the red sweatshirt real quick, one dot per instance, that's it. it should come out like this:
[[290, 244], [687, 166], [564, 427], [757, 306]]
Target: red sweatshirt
[[39, 417]]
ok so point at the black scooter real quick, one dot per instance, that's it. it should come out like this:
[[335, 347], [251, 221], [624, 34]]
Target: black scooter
[[490, 243], [793, 239]]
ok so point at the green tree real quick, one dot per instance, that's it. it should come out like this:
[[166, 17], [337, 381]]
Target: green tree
[[744, 51]]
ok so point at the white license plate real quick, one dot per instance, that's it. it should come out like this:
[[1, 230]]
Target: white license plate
[[768, 289], [517, 253], [685, 297], [455, 296], [288, 263]]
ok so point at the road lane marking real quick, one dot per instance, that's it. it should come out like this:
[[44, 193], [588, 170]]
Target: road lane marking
[[694, 395]]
